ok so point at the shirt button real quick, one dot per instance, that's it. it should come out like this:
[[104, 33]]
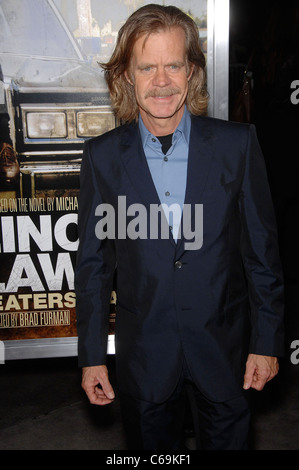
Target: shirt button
[[178, 264], [165, 159], [153, 140], [167, 193]]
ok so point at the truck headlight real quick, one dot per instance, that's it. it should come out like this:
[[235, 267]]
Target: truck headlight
[[46, 125], [90, 124]]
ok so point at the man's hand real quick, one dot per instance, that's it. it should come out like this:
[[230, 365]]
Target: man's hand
[[259, 370], [92, 379]]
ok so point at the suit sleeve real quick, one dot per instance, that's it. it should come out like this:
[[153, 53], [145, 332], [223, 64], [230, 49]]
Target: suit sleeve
[[94, 271], [261, 255]]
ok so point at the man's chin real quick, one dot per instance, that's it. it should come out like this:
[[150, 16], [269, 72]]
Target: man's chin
[[162, 117]]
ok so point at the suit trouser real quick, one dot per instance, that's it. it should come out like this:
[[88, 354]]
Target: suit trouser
[[219, 426]]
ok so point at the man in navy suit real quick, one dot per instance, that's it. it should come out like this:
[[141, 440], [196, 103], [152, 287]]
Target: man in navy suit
[[200, 301]]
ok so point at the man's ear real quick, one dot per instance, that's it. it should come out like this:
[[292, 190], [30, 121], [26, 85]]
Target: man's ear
[[191, 69]]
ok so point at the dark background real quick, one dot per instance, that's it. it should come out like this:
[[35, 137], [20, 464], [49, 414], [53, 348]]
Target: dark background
[[265, 35]]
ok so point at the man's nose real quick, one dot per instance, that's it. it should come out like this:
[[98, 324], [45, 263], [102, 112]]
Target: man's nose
[[161, 77]]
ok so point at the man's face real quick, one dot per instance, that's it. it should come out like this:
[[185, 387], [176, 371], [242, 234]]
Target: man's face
[[159, 74]]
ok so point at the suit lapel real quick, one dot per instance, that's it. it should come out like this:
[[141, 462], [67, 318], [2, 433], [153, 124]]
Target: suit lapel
[[199, 161], [136, 166], [199, 166]]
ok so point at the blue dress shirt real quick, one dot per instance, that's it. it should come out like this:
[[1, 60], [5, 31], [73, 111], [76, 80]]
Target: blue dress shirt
[[169, 172]]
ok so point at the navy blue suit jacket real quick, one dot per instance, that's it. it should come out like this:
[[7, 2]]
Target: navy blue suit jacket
[[219, 303]]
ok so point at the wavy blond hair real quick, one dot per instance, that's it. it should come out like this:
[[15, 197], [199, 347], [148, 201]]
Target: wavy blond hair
[[145, 21]]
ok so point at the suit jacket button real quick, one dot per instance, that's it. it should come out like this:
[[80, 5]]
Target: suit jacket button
[[178, 264]]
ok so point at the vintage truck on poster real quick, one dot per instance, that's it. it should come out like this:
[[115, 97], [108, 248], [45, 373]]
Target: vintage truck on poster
[[52, 99]]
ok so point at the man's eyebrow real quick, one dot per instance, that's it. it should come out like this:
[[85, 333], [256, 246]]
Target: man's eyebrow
[[143, 65], [176, 62]]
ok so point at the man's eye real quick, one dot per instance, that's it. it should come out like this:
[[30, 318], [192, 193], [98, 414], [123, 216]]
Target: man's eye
[[174, 67]]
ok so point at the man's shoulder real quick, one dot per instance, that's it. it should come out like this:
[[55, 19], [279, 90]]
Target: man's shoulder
[[228, 134], [219, 124], [113, 136]]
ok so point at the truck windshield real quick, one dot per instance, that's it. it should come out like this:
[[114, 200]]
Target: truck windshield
[[32, 27]]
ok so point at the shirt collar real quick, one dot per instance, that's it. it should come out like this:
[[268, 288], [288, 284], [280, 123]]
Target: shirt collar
[[183, 129]]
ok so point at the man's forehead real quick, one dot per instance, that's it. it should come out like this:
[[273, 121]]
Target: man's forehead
[[160, 34]]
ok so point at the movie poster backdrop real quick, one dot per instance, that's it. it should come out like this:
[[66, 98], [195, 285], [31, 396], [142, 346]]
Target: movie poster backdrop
[[53, 97]]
